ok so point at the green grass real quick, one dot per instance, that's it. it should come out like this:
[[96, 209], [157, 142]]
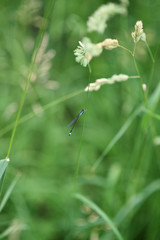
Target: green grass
[[111, 161]]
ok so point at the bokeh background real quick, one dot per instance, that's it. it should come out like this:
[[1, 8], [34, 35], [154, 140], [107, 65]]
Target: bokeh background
[[41, 205]]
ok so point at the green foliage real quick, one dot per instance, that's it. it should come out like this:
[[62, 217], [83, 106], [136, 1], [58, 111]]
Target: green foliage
[[112, 156]]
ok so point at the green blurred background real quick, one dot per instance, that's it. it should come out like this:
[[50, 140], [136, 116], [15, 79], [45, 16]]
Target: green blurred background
[[43, 152]]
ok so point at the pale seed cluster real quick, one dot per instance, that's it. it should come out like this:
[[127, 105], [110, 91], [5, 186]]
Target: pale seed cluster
[[43, 65], [138, 31], [28, 12], [109, 43], [98, 20], [99, 82]]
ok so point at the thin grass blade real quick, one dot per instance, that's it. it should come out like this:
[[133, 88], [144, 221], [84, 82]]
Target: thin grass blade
[[136, 201], [101, 213], [8, 193], [3, 166]]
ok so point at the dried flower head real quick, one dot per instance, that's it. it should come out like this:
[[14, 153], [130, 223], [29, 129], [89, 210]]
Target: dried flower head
[[99, 82], [43, 62], [93, 217], [138, 31], [28, 11], [109, 43], [97, 21]]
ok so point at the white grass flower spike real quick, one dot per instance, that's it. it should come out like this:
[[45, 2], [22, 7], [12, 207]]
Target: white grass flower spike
[[87, 50], [102, 81], [98, 20], [80, 53], [109, 43], [138, 31]]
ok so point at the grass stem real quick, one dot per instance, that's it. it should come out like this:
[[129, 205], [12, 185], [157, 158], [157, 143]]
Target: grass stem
[[47, 14]]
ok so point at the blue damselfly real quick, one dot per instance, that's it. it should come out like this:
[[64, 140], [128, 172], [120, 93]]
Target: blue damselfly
[[74, 121]]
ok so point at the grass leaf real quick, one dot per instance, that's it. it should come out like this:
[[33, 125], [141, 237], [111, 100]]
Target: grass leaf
[[101, 213], [136, 201], [3, 165], [8, 193]]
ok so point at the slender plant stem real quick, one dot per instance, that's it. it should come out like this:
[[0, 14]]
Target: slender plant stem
[[49, 9], [133, 76], [80, 146], [141, 82], [138, 72], [150, 53], [125, 49], [152, 71], [78, 162], [19, 113], [134, 49], [137, 69]]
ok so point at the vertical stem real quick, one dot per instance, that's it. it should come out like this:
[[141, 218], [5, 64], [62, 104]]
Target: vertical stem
[[77, 163], [149, 50], [79, 152], [18, 114], [134, 49], [141, 82], [138, 72], [49, 9]]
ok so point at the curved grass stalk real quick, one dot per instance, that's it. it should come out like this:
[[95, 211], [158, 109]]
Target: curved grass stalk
[[101, 213], [150, 53], [136, 201], [125, 49]]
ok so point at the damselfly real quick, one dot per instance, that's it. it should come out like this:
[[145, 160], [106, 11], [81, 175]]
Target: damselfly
[[74, 121]]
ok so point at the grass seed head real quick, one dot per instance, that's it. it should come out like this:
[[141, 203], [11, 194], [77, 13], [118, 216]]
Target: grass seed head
[[138, 31], [109, 43]]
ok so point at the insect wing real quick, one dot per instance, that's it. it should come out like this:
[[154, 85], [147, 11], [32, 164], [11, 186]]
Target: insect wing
[[73, 120]]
